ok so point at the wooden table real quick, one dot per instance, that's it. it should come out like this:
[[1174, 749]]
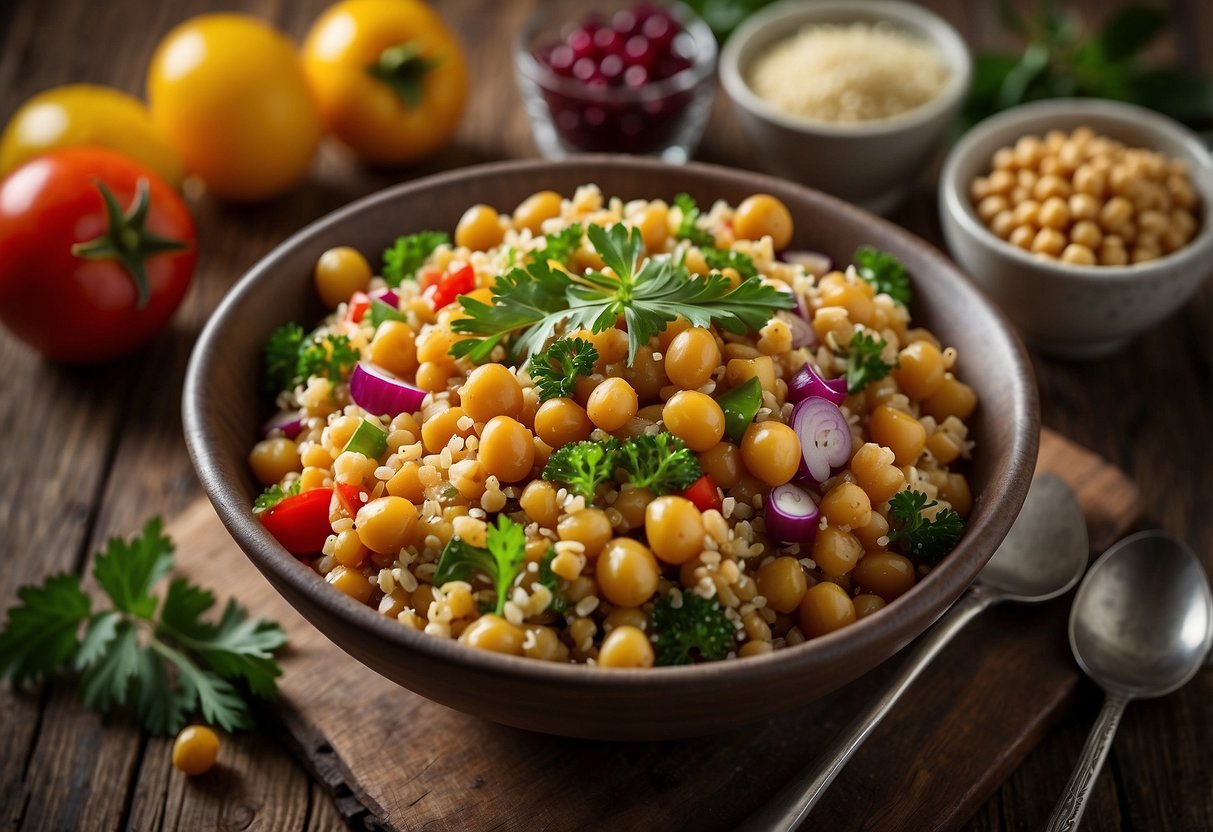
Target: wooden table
[[92, 453]]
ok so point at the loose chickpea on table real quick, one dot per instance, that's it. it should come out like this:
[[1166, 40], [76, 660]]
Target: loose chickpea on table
[[1087, 200]]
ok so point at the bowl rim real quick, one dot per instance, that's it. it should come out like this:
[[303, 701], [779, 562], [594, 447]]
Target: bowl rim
[[866, 634], [782, 15], [702, 64], [953, 194]]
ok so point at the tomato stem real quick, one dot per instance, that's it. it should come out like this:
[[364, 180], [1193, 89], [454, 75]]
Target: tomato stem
[[403, 69], [127, 240]]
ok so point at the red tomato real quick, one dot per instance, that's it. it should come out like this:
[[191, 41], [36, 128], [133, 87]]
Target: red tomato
[[350, 498], [80, 284], [704, 494], [301, 523]]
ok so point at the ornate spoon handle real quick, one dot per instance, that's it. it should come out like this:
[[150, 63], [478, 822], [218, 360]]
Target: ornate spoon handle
[[1073, 801]]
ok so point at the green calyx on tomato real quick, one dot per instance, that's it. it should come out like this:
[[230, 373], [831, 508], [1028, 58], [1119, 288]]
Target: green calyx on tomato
[[403, 69], [127, 240]]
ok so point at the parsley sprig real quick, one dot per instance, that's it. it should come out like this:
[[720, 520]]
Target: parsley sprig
[[292, 358], [885, 272], [561, 245], [583, 466], [661, 462], [408, 254], [159, 655], [499, 561], [531, 305], [723, 258], [555, 370], [864, 361], [688, 226], [274, 495], [923, 539]]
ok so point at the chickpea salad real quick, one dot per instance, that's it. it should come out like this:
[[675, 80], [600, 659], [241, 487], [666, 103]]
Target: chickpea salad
[[615, 433]]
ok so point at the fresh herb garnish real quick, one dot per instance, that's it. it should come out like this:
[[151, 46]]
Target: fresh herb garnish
[[923, 539], [660, 462], [408, 253], [555, 370], [687, 227], [292, 358], [885, 272], [583, 466], [864, 362], [696, 631], [552, 581], [281, 357], [274, 495], [561, 245], [530, 305], [498, 562], [168, 665], [721, 259]]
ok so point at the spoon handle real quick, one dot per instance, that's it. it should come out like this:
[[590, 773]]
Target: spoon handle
[[1074, 800], [790, 805]]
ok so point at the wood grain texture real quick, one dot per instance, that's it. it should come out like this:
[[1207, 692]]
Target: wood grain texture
[[1150, 411], [411, 763]]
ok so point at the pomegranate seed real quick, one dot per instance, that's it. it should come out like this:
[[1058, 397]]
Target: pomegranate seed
[[607, 41], [624, 23], [611, 68], [635, 76], [561, 60], [585, 69], [638, 51], [659, 29], [582, 44]]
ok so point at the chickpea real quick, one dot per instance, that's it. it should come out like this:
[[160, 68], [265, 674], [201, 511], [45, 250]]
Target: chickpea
[[1084, 207], [273, 459], [1048, 241], [632, 504], [674, 528], [1002, 182], [771, 452], [695, 418], [350, 582], [195, 750], [1027, 213], [434, 344], [394, 348], [654, 225], [887, 574], [1022, 237], [870, 533], [432, 376], [1078, 255], [1115, 212], [561, 421], [532, 211], [691, 358], [646, 375], [507, 451], [763, 215], [955, 490], [492, 632], [1086, 233], [589, 527], [612, 404], [953, 398], [722, 462], [406, 483], [479, 228], [920, 369], [783, 583], [626, 646], [339, 273], [865, 605], [627, 572], [386, 524], [740, 370], [824, 609], [898, 431], [438, 429], [836, 551], [491, 390], [874, 471], [1055, 213], [348, 549], [846, 504]]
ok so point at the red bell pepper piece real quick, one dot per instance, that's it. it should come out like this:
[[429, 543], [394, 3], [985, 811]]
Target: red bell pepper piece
[[301, 523], [704, 494], [451, 286], [360, 302], [350, 497], [427, 278]]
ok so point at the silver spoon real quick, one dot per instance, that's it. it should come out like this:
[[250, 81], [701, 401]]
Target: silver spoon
[[1042, 557], [1141, 626]]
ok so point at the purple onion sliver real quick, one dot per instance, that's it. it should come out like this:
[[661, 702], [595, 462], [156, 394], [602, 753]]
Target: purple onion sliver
[[802, 334], [791, 514], [808, 382], [825, 436], [388, 296], [380, 393], [289, 422]]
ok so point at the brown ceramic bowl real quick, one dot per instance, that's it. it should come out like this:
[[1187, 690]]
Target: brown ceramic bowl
[[222, 410]]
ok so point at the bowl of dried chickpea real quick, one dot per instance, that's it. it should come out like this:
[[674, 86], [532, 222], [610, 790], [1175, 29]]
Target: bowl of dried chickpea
[[1086, 220]]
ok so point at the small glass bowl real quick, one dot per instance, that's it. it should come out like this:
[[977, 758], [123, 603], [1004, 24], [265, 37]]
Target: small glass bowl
[[664, 118]]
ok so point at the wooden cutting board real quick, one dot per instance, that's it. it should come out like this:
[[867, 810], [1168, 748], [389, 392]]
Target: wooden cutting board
[[397, 761]]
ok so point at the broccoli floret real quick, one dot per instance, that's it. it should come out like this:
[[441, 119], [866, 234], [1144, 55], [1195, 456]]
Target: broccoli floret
[[583, 466], [696, 631]]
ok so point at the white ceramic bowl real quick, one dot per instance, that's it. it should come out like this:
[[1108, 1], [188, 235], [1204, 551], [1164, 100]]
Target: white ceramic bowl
[[872, 164], [1076, 311]]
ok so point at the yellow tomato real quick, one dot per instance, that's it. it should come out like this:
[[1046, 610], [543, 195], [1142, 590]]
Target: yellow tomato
[[86, 114], [389, 78], [229, 93]]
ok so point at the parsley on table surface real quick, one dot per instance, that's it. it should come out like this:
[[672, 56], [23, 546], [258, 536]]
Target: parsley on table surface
[[499, 561], [561, 245], [583, 466], [661, 462], [885, 272], [723, 258], [530, 305], [157, 654], [923, 539], [408, 254], [695, 631], [864, 362], [292, 358], [274, 495], [555, 370], [688, 228]]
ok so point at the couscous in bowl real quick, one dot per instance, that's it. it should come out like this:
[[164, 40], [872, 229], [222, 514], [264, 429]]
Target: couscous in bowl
[[650, 703]]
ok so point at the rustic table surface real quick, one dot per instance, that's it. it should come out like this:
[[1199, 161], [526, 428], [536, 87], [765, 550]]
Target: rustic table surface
[[93, 453]]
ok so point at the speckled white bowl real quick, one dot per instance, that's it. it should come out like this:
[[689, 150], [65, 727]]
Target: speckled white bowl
[[872, 164], [1075, 311]]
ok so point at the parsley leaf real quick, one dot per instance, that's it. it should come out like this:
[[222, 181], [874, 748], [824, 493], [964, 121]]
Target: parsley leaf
[[330, 356], [552, 581], [168, 666], [273, 495], [864, 364], [561, 245], [408, 254], [281, 358], [661, 462], [555, 370], [923, 539], [688, 228], [583, 466], [720, 259], [885, 272], [499, 561]]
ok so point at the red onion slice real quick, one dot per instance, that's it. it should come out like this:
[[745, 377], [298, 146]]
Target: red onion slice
[[808, 382], [825, 436], [814, 262], [802, 333], [388, 296], [380, 393], [290, 422], [791, 514]]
